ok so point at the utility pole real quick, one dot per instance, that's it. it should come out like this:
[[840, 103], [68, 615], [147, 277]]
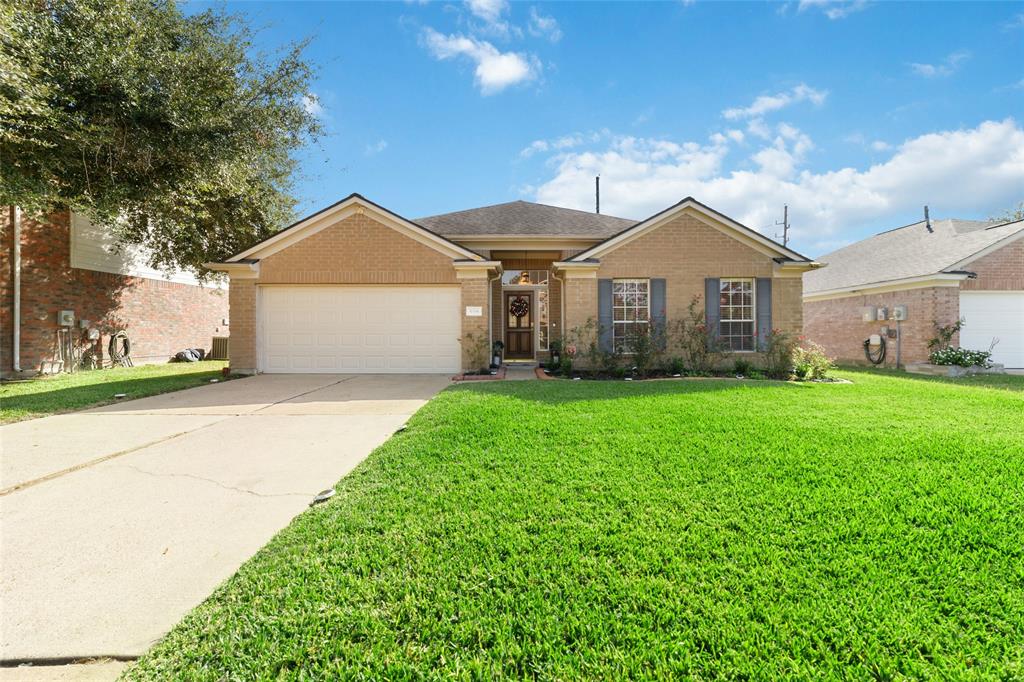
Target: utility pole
[[785, 225], [597, 193]]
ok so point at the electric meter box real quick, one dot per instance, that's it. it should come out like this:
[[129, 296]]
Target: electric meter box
[[883, 313], [899, 312], [867, 313], [66, 318]]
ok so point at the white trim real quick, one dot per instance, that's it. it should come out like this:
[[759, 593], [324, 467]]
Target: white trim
[[945, 279], [995, 246], [573, 270], [236, 270], [710, 218], [346, 208]]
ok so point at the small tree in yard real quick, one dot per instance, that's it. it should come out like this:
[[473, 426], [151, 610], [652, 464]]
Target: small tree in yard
[[166, 129]]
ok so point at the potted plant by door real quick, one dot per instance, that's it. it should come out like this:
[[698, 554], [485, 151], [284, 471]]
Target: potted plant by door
[[556, 353], [496, 349]]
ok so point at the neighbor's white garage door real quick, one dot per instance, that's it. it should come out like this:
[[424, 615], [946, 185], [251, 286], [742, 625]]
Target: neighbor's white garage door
[[992, 315], [343, 329]]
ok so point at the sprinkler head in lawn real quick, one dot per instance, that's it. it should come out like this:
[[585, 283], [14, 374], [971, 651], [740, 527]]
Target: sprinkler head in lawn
[[322, 496]]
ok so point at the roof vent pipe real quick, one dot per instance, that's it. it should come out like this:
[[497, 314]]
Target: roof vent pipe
[[597, 193], [927, 220]]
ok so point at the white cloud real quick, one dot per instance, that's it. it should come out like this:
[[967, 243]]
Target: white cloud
[[544, 27], [495, 70], [834, 9], [768, 103], [376, 147], [1015, 23], [960, 172], [880, 146], [311, 103], [947, 67], [491, 13]]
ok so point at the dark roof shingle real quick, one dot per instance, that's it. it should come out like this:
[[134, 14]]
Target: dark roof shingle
[[524, 218]]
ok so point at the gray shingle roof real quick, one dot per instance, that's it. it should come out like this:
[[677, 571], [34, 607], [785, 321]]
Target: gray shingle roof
[[909, 251], [525, 218]]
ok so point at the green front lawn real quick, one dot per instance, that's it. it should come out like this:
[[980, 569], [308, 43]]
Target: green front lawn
[[605, 530], [1012, 382], [67, 392]]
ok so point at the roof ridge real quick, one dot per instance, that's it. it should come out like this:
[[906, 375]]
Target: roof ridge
[[530, 203]]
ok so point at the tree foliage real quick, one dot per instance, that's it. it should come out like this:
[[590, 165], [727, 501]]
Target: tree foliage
[[1011, 215], [171, 130]]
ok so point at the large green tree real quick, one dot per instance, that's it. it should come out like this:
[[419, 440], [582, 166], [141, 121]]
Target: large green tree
[[171, 130]]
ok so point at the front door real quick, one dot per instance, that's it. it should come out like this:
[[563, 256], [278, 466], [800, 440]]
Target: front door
[[519, 325]]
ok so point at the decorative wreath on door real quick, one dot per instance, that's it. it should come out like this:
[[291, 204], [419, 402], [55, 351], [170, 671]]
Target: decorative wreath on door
[[519, 307]]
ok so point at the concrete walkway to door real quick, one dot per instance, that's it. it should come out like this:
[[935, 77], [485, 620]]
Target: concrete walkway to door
[[116, 521]]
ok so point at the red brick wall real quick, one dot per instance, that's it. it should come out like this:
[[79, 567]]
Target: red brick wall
[[836, 323], [1001, 270], [160, 317]]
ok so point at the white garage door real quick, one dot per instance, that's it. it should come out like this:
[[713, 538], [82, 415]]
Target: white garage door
[[372, 330], [992, 315]]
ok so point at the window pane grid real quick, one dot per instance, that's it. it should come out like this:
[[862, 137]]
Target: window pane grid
[[736, 308], [630, 309]]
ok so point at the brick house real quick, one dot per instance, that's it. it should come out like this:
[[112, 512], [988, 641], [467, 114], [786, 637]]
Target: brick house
[[357, 288], [68, 264], [942, 271]]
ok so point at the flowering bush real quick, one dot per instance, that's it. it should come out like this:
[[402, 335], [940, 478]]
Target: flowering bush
[[778, 353], [961, 357], [810, 362]]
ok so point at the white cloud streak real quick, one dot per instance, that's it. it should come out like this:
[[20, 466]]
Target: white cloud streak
[[768, 103], [947, 67], [962, 172], [495, 70], [542, 26], [834, 9]]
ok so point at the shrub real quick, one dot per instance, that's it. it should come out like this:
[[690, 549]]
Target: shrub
[[476, 346], [700, 351], [676, 366], [810, 362], [961, 357], [742, 366], [778, 353], [566, 367], [647, 344], [943, 338], [585, 341]]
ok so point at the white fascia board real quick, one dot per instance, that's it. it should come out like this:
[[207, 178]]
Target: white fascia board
[[942, 279]]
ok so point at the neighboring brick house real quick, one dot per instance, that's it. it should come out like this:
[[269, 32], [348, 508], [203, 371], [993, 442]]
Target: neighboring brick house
[[942, 271], [68, 264], [358, 288]]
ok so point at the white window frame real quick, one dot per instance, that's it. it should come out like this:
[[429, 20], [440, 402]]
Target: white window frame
[[647, 310], [753, 315]]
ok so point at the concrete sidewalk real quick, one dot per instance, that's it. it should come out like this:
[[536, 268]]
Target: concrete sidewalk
[[117, 521]]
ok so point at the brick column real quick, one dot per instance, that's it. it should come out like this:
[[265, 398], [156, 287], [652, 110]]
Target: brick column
[[242, 298], [580, 295], [473, 276]]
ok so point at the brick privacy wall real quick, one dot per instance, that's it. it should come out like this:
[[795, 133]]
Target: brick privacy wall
[[161, 317], [1001, 270], [836, 323], [357, 250]]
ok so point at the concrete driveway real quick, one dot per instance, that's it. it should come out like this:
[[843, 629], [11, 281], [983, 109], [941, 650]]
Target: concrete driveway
[[116, 521]]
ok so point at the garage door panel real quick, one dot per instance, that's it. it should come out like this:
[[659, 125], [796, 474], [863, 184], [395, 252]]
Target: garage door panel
[[994, 317], [360, 329]]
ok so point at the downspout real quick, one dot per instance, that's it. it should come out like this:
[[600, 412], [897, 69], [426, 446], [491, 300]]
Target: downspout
[[490, 314], [561, 298], [16, 350]]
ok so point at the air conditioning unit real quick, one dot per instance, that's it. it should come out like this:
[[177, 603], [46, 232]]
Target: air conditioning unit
[[220, 348]]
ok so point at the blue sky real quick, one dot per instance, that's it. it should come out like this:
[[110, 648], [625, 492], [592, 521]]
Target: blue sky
[[854, 113]]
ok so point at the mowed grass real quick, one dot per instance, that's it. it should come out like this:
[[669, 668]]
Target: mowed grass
[[610, 530], [48, 395]]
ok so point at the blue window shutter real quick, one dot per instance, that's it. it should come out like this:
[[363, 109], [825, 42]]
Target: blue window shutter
[[657, 302], [604, 314], [763, 294], [712, 313]]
